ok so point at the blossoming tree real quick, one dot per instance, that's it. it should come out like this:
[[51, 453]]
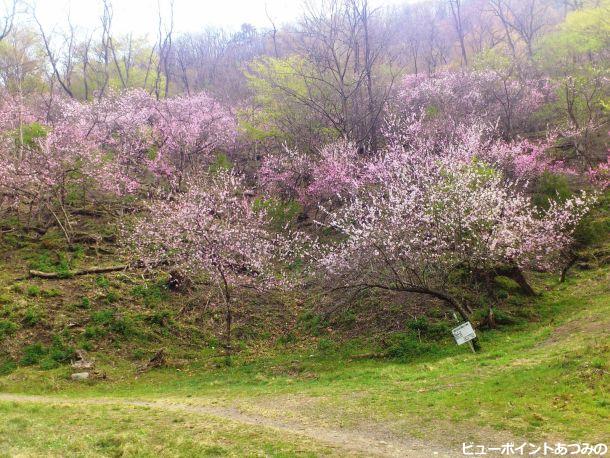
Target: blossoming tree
[[211, 230], [432, 217]]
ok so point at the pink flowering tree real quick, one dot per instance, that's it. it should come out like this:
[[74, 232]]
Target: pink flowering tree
[[212, 231], [123, 144], [450, 99], [285, 174], [337, 171], [430, 218], [190, 129]]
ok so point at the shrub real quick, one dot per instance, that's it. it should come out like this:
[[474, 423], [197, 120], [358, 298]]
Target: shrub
[[551, 187], [102, 281], [7, 366], [32, 354], [49, 261], [47, 357], [111, 297], [406, 347], [7, 328], [109, 320], [280, 212], [33, 290], [60, 352], [31, 317], [85, 303], [51, 292], [161, 318], [93, 332], [220, 164], [152, 294], [327, 346], [103, 317], [288, 338], [434, 331], [312, 323]]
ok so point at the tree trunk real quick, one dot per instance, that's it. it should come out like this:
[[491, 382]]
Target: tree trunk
[[229, 321], [564, 271], [515, 273]]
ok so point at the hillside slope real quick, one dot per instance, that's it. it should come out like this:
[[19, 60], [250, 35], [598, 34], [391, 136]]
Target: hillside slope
[[540, 381]]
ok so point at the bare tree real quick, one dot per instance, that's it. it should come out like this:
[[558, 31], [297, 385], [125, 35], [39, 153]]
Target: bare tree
[[8, 19], [526, 18], [341, 46], [458, 23], [53, 58], [164, 48]]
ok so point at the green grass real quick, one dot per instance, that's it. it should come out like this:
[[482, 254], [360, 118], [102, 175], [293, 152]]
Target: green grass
[[543, 379], [49, 430]]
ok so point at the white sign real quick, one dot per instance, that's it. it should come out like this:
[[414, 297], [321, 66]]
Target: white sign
[[463, 333]]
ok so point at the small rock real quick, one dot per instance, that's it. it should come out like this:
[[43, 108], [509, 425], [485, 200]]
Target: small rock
[[80, 376], [82, 365], [81, 361]]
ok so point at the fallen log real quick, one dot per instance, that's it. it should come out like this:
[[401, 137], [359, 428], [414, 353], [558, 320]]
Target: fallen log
[[72, 273]]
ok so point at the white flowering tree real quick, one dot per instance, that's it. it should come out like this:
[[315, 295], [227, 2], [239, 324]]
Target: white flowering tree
[[430, 218], [211, 230]]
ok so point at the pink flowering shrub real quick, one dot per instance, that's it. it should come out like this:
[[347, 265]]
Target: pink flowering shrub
[[600, 175]]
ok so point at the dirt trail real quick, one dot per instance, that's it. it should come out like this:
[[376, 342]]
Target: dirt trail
[[361, 442]]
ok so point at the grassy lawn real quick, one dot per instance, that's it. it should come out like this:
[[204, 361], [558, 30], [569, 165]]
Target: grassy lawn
[[51, 430], [544, 380]]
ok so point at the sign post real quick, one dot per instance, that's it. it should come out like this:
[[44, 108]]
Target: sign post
[[464, 333]]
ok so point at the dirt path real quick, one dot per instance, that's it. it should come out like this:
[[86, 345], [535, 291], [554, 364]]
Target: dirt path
[[363, 442]]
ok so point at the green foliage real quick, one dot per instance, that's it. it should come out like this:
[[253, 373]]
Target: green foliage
[[584, 31], [30, 134], [160, 318], [594, 229], [47, 357], [327, 346], [152, 294], [94, 332], [222, 163], [406, 346], [102, 281], [103, 317], [279, 86], [425, 329], [32, 354], [85, 303], [575, 55], [52, 261], [7, 366], [32, 317], [33, 290], [111, 297], [287, 339], [551, 187], [109, 320], [7, 328], [496, 59], [53, 292], [280, 212], [507, 284], [312, 323]]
